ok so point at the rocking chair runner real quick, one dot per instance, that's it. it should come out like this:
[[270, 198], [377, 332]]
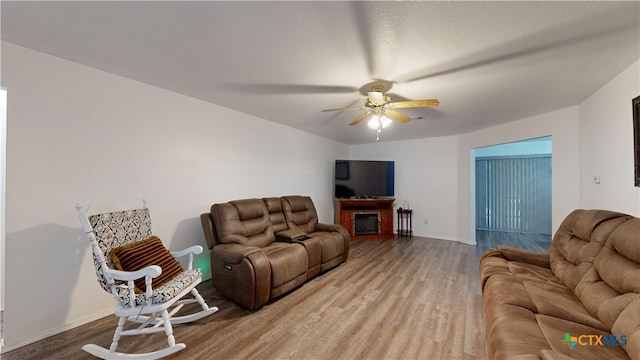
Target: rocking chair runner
[[153, 305]]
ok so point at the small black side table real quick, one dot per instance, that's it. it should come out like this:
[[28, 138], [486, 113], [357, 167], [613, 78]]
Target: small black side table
[[404, 222]]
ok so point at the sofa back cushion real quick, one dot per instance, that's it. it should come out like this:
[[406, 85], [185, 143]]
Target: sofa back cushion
[[300, 212], [610, 288], [244, 222], [276, 215], [578, 240]]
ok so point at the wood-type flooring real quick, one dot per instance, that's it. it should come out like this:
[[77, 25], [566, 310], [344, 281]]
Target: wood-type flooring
[[408, 298]]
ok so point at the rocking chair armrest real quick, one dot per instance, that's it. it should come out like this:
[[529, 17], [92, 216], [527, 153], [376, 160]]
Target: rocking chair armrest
[[151, 270], [195, 250]]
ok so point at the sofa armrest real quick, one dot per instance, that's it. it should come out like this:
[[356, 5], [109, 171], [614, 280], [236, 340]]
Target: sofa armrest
[[326, 227], [233, 253], [524, 256], [334, 227], [290, 235], [242, 273], [337, 228]]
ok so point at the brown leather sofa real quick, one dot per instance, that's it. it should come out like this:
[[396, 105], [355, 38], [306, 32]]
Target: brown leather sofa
[[578, 301], [263, 248]]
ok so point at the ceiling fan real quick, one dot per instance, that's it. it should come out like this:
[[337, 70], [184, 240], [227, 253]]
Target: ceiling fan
[[383, 111]]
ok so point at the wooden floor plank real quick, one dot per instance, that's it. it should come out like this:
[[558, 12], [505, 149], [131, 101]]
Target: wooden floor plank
[[408, 298]]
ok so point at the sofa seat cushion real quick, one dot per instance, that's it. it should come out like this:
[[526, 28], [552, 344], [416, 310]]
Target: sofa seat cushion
[[288, 261], [513, 333], [562, 303], [539, 297], [313, 247], [331, 244], [325, 250], [505, 289], [589, 341]]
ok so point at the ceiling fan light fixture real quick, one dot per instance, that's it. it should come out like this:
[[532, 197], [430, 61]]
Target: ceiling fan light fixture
[[385, 121], [374, 122], [378, 122]]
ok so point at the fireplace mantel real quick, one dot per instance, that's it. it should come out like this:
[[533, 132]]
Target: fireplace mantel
[[347, 209]]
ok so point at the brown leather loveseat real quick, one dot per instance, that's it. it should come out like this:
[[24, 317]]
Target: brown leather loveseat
[[262, 248], [579, 301]]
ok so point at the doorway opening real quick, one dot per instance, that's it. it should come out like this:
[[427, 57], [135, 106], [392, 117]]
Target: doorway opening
[[513, 194]]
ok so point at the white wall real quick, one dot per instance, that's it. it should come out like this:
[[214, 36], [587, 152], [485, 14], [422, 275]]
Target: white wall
[[606, 145], [562, 125], [79, 135], [426, 177]]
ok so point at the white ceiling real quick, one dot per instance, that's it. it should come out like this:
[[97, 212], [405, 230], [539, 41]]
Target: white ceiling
[[487, 62]]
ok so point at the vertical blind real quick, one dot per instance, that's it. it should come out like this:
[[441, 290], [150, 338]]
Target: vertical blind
[[514, 194]]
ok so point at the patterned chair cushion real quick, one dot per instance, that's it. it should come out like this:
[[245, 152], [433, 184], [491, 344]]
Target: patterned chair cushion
[[163, 293], [138, 255], [116, 229]]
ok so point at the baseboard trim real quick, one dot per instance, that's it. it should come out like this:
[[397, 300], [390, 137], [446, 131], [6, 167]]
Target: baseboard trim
[[445, 239], [69, 326]]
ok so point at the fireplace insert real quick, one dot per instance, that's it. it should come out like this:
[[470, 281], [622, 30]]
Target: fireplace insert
[[366, 223]]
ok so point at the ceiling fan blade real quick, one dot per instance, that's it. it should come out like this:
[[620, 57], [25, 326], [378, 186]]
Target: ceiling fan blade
[[396, 115], [397, 98], [359, 118], [343, 109], [415, 103]]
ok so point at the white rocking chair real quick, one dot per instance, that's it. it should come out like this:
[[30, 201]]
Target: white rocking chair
[[108, 229]]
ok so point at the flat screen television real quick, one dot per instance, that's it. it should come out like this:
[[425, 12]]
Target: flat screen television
[[364, 179]]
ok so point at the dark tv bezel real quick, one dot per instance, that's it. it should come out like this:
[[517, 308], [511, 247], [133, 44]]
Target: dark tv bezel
[[342, 172]]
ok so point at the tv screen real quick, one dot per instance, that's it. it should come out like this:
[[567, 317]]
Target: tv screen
[[363, 179]]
